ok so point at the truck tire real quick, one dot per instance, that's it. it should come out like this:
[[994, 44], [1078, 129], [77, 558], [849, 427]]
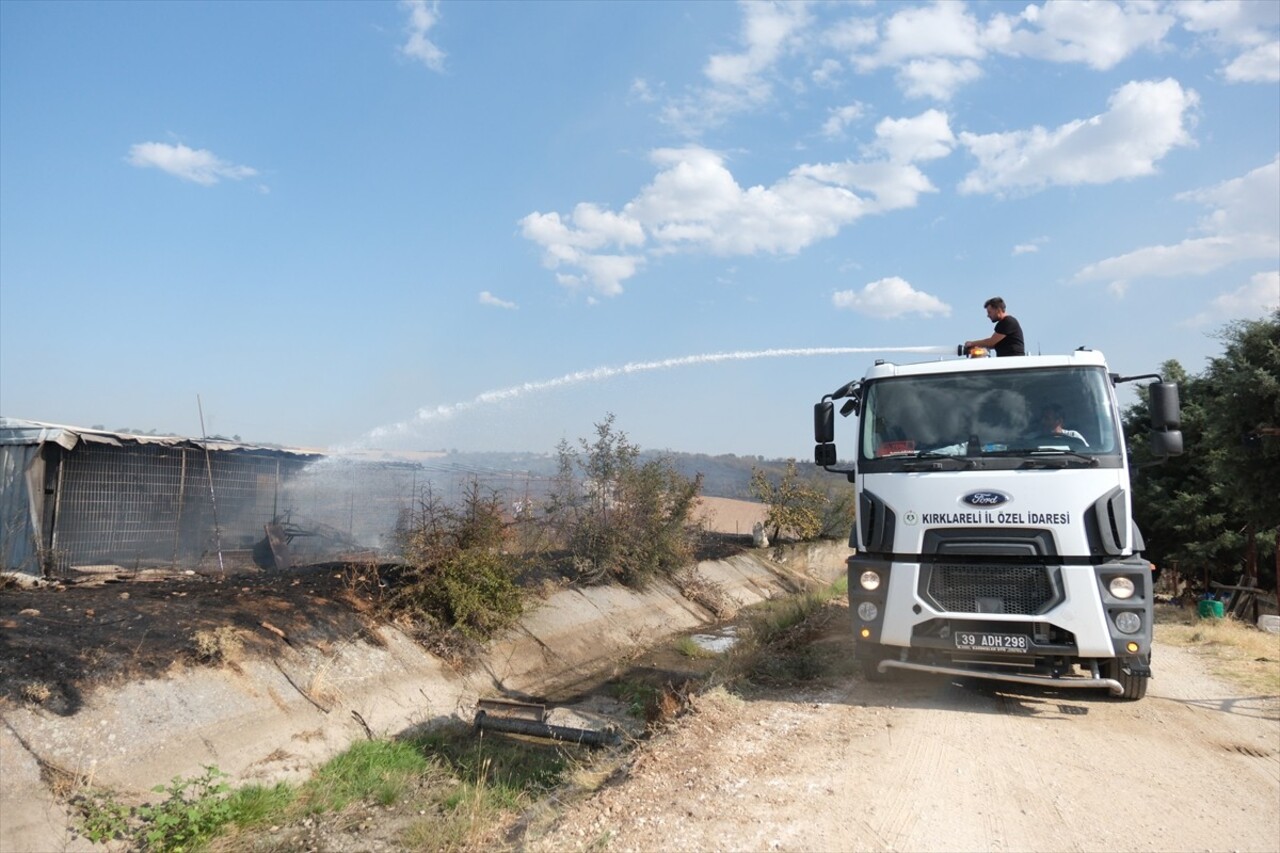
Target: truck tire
[[868, 656], [1135, 686]]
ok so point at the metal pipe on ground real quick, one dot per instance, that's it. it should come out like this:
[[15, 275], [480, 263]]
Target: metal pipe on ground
[[535, 728]]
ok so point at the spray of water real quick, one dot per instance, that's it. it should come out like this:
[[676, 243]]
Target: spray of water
[[429, 415]]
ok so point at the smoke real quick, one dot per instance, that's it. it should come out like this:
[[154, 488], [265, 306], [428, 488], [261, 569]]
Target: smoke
[[426, 415]]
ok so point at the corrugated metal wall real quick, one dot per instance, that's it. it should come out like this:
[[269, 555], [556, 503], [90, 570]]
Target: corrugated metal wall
[[139, 505], [20, 464]]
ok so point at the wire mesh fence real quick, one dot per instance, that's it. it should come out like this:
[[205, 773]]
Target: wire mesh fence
[[137, 506]]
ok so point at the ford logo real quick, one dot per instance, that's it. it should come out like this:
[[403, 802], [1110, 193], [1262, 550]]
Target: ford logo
[[985, 498]]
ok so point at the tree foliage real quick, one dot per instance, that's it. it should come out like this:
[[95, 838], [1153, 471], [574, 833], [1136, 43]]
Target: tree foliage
[[796, 508], [1206, 509], [458, 577], [621, 518]]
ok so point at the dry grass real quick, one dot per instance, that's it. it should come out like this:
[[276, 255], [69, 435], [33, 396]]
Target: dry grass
[[1239, 652], [36, 692], [708, 594], [221, 645]]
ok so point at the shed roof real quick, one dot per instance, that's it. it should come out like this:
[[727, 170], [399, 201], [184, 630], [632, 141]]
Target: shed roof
[[17, 431]]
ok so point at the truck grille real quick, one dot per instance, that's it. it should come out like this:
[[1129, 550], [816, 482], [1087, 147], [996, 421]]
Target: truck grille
[[1022, 590]]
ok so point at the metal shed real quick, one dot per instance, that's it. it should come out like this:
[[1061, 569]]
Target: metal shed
[[71, 496]]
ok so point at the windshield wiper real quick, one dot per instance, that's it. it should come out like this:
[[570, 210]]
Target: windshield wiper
[[1051, 458], [932, 460], [1046, 457]]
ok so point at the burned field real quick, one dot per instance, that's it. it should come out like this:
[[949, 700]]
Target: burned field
[[58, 642]]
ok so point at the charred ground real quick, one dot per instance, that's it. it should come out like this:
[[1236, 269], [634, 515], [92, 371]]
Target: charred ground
[[60, 640]]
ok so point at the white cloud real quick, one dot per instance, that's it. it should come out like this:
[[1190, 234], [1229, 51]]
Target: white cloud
[[1256, 65], [1243, 224], [198, 166], [694, 203], [741, 81], [765, 31], [1099, 34], [641, 91], [573, 242], [1230, 21], [827, 72], [1144, 121], [942, 29], [838, 118], [1029, 247], [423, 16], [924, 137], [936, 78], [1248, 30], [487, 298], [851, 34], [602, 274], [890, 297], [1259, 297], [938, 48], [935, 48]]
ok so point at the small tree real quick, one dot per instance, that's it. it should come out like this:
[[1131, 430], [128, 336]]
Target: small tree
[[620, 518], [458, 581], [794, 506]]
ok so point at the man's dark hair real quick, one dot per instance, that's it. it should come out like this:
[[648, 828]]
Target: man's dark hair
[[994, 302], [1055, 411]]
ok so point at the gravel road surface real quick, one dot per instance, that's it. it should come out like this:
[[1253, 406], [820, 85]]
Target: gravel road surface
[[926, 764]]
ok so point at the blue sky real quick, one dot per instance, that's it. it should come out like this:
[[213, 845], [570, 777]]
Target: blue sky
[[484, 226]]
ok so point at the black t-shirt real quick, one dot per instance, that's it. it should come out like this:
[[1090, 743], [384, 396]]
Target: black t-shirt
[[1012, 343]]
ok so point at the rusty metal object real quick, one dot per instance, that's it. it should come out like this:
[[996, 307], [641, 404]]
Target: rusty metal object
[[524, 718]]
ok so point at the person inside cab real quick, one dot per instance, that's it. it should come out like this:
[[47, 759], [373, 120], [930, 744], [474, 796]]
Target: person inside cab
[[1051, 425]]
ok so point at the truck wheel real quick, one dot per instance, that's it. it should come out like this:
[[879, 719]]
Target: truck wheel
[[869, 656], [1135, 686]]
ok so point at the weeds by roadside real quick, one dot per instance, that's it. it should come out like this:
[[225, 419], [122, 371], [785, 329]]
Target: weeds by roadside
[[445, 790], [1241, 653], [460, 788]]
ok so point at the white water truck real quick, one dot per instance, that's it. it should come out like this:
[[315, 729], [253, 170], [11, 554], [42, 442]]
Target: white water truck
[[994, 534]]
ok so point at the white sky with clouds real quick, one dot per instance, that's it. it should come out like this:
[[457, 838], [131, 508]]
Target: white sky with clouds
[[489, 224]]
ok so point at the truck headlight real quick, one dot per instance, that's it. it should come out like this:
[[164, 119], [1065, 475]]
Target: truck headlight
[[868, 612], [870, 580], [1122, 587], [1128, 623]]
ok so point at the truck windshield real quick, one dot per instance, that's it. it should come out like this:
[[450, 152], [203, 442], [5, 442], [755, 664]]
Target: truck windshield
[[990, 413]]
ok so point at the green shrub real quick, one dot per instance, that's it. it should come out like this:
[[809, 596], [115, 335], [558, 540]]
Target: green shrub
[[620, 519], [194, 811], [102, 816], [473, 591], [457, 578]]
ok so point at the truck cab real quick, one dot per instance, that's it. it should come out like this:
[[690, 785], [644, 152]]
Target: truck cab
[[994, 534]]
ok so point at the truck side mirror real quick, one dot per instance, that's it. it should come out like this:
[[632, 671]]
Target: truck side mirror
[[824, 422], [1166, 413], [1166, 443], [824, 455]]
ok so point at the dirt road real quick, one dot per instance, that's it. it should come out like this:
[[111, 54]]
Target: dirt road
[[927, 764]]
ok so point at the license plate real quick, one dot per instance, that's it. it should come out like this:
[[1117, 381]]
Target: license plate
[[975, 641]]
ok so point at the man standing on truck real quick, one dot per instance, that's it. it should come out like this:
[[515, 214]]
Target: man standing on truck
[[1007, 337]]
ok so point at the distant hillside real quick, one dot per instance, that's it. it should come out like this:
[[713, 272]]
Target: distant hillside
[[726, 476]]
